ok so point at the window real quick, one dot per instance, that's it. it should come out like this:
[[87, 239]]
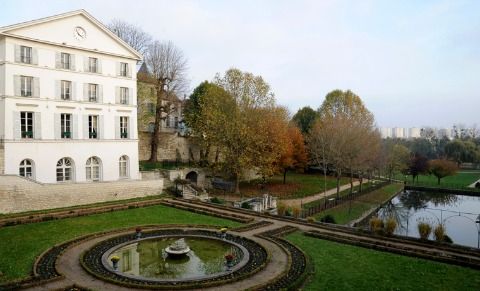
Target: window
[[25, 54], [26, 168], [64, 170], [26, 124], [123, 127], [26, 86], [65, 61], [93, 65], [176, 122], [93, 169], [92, 126], [92, 92], [66, 125], [66, 90], [151, 108], [123, 167], [123, 69], [123, 95], [167, 121]]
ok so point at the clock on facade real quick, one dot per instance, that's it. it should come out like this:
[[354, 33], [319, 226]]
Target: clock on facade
[[79, 33]]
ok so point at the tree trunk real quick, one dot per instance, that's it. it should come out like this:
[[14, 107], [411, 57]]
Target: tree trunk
[[237, 184], [351, 181], [156, 128], [285, 176], [338, 185], [438, 180], [361, 183]]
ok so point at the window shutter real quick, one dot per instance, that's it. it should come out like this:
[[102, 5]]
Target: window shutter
[[86, 67], [75, 126], [57, 128], [100, 127], [16, 85], [58, 89], [85, 91], [17, 53], [132, 126], [117, 64], [34, 56], [74, 91], [85, 126], [99, 66], [72, 62], [129, 71], [117, 127], [130, 96], [17, 131], [36, 87], [37, 122], [58, 60], [100, 94], [117, 95]]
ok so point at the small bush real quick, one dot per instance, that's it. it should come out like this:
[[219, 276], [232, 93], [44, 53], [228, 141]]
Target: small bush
[[310, 219], [47, 218], [390, 226], [376, 224], [328, 219], [296, 211], [288, 212], [447, 239], [281, 209], [477, 185], [216, 200], [245, 205], [439, 232], [424, 229]]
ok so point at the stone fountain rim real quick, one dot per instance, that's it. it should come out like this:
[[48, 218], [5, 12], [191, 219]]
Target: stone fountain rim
[[243, 262]]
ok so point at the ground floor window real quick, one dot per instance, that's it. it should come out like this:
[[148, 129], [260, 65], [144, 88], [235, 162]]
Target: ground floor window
[[26, 168], [123, 167], [64, 170], [93, 169]]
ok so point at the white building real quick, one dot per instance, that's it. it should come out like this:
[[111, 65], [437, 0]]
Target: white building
[[398, 132], [67, 101], [414, 132]]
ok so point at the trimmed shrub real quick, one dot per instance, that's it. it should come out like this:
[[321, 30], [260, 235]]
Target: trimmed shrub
[[281, 209], [390, 226], [328, 219], [310, 219], [245, 205], [296, 211], [439, 232], [376, 224], [424, 229], [216, 200]]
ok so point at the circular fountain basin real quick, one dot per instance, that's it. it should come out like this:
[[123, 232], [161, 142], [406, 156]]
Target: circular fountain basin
[[147, 259]]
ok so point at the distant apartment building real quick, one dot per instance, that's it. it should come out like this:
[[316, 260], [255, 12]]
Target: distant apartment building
[[398, 132], [414, 132], [68, 109]]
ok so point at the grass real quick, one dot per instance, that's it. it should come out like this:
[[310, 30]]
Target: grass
[[21, 244], [345, 267], [297, 185], [460, 180], [348, 212]]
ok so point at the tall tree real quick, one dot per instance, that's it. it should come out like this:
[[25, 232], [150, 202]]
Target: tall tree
[[295, 156], [305, 118], [133, 35], [441, 168], [397, 159], [167, 68], [418, 165]]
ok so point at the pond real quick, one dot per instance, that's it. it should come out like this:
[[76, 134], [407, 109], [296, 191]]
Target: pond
[[148, 259], [458, 213]]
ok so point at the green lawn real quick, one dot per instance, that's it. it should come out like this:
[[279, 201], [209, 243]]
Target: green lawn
[[345, 192], [345, 267], [461, 179], [347, 211], [21, 244], [297, 185]]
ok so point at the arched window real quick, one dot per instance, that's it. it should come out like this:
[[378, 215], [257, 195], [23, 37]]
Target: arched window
[[26, 168], [64, 170], [123, 167], [93, 169]]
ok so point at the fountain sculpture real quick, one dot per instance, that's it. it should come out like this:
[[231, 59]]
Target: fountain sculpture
[[177, 248]]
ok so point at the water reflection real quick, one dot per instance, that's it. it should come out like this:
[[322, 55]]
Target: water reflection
[[457, 212], [148, 258]]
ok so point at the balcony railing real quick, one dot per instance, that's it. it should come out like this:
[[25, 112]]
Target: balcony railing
[[123, 134], [66, 134], [92, 135], [27, 134]]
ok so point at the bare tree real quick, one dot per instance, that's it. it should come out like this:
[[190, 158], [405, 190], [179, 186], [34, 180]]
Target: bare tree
[[167, 68], [133, 35]]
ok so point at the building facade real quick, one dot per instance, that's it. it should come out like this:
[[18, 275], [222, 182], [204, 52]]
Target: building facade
[[67, 101]]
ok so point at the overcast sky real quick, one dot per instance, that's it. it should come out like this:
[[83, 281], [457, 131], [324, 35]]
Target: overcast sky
[[413, 63]]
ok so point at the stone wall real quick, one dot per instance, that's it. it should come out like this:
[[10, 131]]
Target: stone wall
[[18, 194], [168, 145]]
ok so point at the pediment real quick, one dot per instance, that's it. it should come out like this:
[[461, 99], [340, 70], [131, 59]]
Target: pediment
[[77, 29]]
